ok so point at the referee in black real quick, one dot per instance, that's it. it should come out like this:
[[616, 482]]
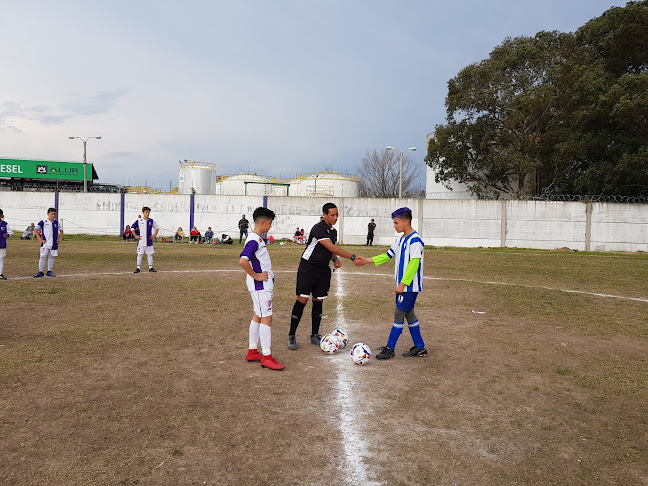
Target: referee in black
[[314, 273]]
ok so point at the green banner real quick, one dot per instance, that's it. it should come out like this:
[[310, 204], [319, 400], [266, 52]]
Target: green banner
[[44, 169]]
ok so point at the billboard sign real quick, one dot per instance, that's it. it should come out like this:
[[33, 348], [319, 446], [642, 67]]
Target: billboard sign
[[42, 169]]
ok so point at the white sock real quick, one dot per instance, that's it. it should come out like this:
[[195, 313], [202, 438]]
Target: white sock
[[150, 260], [139, 260], [265, 333], [254, 334], [1, 264], [41, 263], [50, 263]]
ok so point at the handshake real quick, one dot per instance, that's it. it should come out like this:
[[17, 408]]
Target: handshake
[[359, 261]]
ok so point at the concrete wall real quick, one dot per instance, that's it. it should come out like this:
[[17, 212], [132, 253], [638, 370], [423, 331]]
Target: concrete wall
[[441, 222]]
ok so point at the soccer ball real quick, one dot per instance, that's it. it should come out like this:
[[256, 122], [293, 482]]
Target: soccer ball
[[341, 337], [360, 353], [329, 344]]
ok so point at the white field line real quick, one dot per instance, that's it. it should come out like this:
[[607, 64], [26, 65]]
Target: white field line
[[483, 282], [350, 420]]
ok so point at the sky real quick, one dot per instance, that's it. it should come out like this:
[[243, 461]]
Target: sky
[[274, 87]]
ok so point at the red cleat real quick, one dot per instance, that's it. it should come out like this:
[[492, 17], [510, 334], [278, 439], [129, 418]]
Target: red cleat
[[271, 363], [253, 355]]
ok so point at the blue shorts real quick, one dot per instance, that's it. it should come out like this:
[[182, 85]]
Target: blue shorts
[[406, 301]]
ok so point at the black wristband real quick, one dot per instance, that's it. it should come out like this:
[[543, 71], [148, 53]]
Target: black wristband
[[353, 257]]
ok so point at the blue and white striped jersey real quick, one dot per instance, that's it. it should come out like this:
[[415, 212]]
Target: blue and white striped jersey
[[404, 249]]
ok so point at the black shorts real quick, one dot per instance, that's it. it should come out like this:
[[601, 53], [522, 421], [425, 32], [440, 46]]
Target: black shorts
[[313, 281]]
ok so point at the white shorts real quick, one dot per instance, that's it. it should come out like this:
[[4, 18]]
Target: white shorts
[[46, 250], [262, 300], [141, 250], [3, 252]]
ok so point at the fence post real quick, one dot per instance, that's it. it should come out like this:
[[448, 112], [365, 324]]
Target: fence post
[[121, 214], [420, 217], [588, 225], [191, 210], [503, 224]]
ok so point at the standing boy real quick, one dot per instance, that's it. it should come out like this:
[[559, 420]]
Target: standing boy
[[408, 250], [255, 260], [145, 237], [5, 232], [314, 273], [49, 232]]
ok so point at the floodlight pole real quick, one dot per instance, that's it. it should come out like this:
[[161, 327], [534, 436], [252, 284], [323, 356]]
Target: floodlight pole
[[85, 161], [400, 173]]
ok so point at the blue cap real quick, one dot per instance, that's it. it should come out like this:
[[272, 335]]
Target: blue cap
[[400, 212]]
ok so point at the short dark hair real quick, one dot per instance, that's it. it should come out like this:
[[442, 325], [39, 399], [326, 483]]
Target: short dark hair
[[146, 208], [327, 207], [1, 213], [263, 213], [52, 210], [407, 216]]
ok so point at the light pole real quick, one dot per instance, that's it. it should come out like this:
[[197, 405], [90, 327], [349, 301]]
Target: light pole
[[400, 174], [85, 161]]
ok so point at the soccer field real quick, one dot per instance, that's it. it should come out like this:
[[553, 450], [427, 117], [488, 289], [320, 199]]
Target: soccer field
[[537, 372]]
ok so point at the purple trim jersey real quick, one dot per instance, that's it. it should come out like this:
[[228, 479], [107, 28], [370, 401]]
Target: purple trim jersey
[[4, 230], [49, 232], [148, 225], [255, 250]]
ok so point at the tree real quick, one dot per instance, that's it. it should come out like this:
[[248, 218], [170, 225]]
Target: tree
[[379, 174], [556, 113]]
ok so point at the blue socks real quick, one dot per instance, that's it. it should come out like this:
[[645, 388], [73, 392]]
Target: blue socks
[[395, 333], [415, 331]]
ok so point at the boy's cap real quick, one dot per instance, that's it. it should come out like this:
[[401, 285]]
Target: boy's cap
[[400, 211]]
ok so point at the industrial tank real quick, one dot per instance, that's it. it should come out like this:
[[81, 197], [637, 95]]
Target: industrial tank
[[252, 185], [327, 183], [196, 177]]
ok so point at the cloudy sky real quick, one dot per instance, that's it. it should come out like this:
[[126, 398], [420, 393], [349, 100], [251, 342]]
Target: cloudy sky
[[277, 87]]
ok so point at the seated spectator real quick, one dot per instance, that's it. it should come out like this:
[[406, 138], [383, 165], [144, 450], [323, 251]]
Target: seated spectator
[[128, 233], [226, 239], [194, 235], [301, 236], [271, 239], [209, 236], [296, 237], [29, 232], [178, 236]]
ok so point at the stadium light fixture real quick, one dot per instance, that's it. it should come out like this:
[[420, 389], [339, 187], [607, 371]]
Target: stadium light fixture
[[85, 161], [400, 174]]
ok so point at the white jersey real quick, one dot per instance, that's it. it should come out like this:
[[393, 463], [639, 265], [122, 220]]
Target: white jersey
[[49, 232], [146, 229], [255, 250]]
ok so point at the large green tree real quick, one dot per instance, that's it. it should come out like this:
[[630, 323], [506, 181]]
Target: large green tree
[[555, 113]]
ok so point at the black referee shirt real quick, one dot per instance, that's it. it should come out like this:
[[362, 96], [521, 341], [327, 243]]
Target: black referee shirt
[[317, 254]]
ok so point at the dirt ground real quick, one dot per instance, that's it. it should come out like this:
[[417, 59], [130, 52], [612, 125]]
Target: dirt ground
[[107, 377]]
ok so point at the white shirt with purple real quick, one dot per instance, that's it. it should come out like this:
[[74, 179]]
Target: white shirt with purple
[[255, 250], [146, 227], [4, 230], [49, 232]]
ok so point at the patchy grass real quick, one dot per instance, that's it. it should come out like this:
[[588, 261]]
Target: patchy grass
[[114, 378]]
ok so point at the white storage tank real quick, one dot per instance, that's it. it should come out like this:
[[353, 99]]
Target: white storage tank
[[436, 190], [252, 185], [327, 183], [196, 177]]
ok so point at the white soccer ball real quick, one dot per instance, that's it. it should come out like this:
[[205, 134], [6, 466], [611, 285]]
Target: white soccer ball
[[329, 344], [341, 336], [360, 353]]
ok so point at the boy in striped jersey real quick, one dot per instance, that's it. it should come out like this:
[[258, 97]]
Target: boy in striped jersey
[[408, 253], [5, 232]]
